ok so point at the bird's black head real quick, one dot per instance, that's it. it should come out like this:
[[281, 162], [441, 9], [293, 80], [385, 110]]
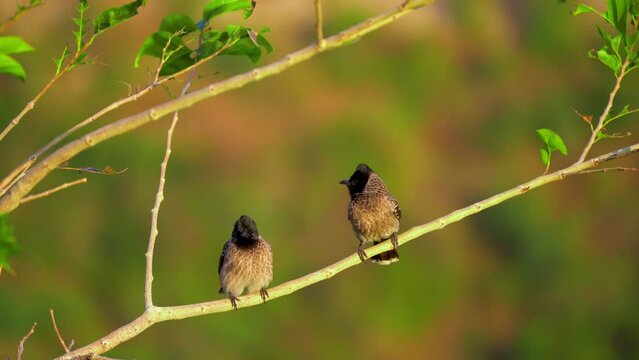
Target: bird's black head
[[358, 180], [245, 231]]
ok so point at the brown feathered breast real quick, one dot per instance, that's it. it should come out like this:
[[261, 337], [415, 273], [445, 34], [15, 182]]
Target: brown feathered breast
[[245, 268], [374, 213]]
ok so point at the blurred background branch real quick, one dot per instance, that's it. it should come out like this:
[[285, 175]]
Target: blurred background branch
[[22, 9]]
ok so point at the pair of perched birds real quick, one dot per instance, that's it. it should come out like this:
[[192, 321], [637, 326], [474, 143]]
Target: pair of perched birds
[[246, 262]]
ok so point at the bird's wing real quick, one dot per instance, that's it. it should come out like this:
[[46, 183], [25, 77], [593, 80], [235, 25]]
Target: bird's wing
[[397, 211], [219, 266]]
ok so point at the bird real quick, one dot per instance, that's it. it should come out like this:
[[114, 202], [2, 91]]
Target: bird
[[373, 213], [246, 262]]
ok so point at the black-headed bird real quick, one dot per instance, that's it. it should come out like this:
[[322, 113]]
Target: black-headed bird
[[373, 213], [246, 262]]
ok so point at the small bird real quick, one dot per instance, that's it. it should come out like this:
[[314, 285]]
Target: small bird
[[246, 262], [373, 213]]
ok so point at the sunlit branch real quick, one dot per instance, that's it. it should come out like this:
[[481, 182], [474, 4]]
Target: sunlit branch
[[11, 199], [51, 191], [153, 315]]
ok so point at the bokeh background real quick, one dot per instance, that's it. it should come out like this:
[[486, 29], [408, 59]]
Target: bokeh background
[[443, 104]]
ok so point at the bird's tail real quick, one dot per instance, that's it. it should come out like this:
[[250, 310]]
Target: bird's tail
[[385, 258]]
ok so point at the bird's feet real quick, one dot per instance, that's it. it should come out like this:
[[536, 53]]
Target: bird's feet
[[361, 253], [394, 240], [263, 294], [233, 300]]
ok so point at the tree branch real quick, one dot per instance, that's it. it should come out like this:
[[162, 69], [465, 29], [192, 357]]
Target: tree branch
[[153, 314], [159, 196], [18, 14], [31, 104], [57, 332], [4, 184], [11, 199], [605, 170], [51, 191], [606, 112], [24, 340], [157, 81]]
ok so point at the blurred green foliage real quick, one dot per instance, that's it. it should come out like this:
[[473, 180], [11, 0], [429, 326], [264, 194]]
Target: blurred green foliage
[[442, 104]]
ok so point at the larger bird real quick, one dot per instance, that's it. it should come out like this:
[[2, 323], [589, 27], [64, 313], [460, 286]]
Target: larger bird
[[373, 213], [246, 262]]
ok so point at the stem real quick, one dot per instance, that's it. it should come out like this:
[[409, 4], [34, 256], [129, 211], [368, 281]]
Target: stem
[[159, 196], [606, 112], [133, 97], [57, 332], [55, 189], [155, 315], [319, 23], [31, 104], [24, 340], [11, 200], [7, 24]]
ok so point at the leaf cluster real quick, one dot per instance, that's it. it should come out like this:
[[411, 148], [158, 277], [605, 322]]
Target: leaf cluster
[[620, 40], [9, 65], [171, 42]]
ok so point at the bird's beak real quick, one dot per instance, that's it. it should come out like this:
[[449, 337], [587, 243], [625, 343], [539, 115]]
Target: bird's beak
[[344, 182]]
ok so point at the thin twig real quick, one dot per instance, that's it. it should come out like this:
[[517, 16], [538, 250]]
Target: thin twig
[[18, 14], [14, 174], [159, 196], [319, 25], [133, 97], [51, 191], [31, 104], [155, 315], [605, 170], [24, 340], [55, 326], [11, 199], [606, 112]]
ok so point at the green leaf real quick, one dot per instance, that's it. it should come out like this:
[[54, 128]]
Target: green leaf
[[10, 66], [81, 60], [545, 156], [244, 45], [248, 12], [13, 45], [8, 244], [624, 112], [60, 61], [177, 22], [611, 60], [617, 13], [552, 140], [178, 54], [113, 16], [218, 7], [80, 22], [613, 42], [583, 9]]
